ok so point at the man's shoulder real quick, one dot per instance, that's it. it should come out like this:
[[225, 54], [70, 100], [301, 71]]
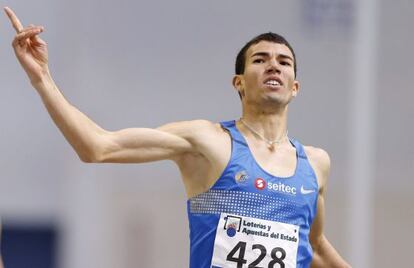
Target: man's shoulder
[[194, 130], [206, 130], [204, 124], [190, 126], [317, 154], [319, 159]]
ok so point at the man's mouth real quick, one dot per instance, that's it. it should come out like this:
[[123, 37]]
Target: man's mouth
[[273, 83]]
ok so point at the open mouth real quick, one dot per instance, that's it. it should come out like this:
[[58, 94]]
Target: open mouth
[[273, 83]]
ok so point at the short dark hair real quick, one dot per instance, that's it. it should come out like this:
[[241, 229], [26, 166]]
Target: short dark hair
[[271, 37]]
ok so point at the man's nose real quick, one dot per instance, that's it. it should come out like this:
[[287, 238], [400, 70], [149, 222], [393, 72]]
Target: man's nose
[[273, 66]]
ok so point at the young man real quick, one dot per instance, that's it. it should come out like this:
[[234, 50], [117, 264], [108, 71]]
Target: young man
[[256, 197]]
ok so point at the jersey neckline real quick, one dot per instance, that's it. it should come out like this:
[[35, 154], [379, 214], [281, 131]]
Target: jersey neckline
[[243, 139]]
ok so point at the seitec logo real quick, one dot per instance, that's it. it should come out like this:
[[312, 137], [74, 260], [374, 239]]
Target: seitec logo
[[282, 188], [261, 184]]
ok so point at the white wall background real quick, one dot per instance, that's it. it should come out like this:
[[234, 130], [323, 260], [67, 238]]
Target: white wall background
[[145, 63]]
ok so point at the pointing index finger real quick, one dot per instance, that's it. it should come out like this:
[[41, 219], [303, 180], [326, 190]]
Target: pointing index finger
[[17, 25]]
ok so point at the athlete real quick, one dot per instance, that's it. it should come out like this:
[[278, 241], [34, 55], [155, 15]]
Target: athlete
[[255, 196]]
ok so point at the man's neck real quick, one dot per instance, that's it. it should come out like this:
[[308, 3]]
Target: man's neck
[[270, 124]]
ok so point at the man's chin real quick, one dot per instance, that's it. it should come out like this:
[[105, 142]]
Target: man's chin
[[275, 102]]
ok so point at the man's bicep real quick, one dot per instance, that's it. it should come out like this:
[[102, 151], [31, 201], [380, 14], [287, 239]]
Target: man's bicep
[[138, 145]]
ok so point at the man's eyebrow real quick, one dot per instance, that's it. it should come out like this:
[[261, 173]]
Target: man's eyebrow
[[284, 56], [263, 54], [266, 54]]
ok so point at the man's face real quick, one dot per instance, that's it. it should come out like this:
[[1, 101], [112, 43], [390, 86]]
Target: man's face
[[269, 77]]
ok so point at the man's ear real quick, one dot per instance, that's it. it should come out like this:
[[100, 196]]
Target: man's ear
[[295, 88], [238, 84]]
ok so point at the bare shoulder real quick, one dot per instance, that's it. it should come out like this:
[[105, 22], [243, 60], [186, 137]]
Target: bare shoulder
[[210, 152], [318, 156], [206, 138], [192, 130], [320, 162]]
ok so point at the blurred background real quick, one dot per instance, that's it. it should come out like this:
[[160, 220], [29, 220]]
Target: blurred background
[[146, 63]]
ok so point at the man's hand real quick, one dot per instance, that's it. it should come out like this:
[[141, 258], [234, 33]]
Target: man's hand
[[31, 51]]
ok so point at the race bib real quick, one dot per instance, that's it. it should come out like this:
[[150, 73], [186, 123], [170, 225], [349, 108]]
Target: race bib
[[244, 242]]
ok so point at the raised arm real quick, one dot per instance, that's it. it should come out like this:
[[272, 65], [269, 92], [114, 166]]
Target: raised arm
[[91, 142]]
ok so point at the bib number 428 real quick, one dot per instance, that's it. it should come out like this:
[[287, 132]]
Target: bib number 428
[[237, 255]]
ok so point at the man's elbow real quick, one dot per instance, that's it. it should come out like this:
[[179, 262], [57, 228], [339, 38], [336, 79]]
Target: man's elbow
[[93, 152], [90, 157], [87, 159], [325, 255]]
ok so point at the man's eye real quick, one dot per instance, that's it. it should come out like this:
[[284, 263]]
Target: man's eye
[[258, 61], [285, 63]]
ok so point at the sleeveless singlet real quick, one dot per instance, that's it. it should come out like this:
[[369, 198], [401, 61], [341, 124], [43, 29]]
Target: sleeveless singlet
[[250, 218]]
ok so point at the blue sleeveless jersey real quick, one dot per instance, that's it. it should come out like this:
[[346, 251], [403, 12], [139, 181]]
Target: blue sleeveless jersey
[[250, 218]]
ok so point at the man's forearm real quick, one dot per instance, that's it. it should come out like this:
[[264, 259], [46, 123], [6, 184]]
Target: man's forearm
[[31, 51], [325, 256], [81, 132]]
